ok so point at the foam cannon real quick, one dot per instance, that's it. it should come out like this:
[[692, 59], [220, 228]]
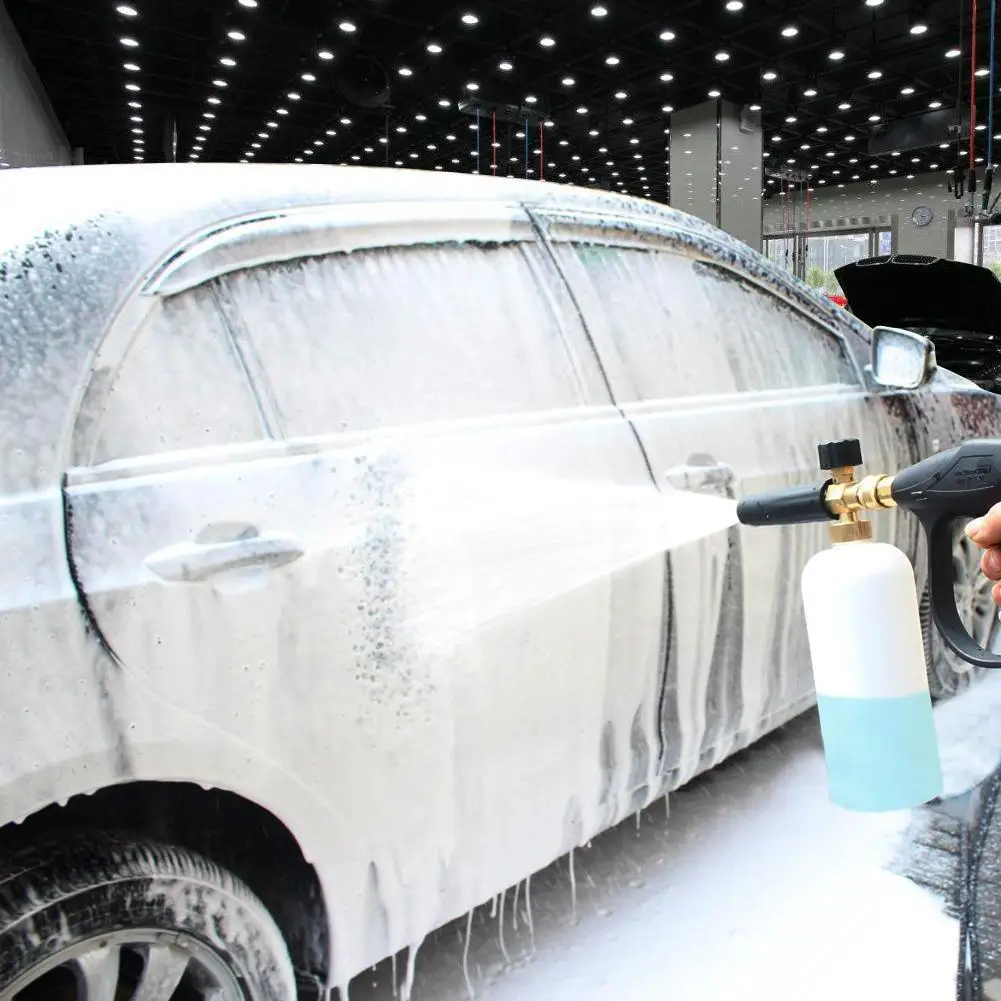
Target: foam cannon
[[861, 608]]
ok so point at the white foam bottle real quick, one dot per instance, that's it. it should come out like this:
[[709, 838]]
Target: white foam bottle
[[869, 671]]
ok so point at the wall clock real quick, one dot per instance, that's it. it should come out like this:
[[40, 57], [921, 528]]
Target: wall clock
[[922, 215]]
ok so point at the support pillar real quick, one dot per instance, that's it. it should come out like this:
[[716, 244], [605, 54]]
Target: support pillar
[[716, 170]]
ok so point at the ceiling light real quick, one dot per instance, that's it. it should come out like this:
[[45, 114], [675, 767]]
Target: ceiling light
[[505, 66], [547, 41], [769, 76], [849, 138], [127, 11], [667, 108], [755, 107], [282, 111], [405, 71], [791, 120], [205, 114], [325, 54], [134, 87], [213, 100], [272, 125], [919, 28], [907, 91], [308, 78], [220, 83], [227, 61], [734, 5], [132, 67], [135, 104], [612, 61], [983, 71], [530, 99], [294, 95], [790, 32], [934, 104], [236, 36], [666, 77], [568, 81], [620, 95], [418, 118], [722, 57], [434, 48], [810, 92], [953, 53], [582, 110], [836, 55], [667, 36], [714, 94], [348, 27], [776, 139], [875, 74], [874, 118], [139, 132], [845, 106], [470, 19], [593, 133], [247, 3], [129, 43]]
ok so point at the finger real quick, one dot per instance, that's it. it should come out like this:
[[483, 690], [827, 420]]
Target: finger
[[990, 563], [996, 594], [986, 531]]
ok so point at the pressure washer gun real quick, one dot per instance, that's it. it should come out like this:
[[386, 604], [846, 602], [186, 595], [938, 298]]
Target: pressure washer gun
[[861, 608]]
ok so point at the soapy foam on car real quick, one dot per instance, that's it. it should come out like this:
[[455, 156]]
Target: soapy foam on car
[[511, 544]]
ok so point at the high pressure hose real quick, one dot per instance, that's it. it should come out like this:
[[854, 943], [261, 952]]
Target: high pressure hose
[[971, 164], [989, 176]]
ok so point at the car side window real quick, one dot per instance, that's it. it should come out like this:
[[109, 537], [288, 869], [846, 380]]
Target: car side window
[[689, 328], [179, 386], [403, 334]]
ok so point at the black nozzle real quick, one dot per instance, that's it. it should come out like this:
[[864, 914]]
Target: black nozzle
[[836, 454], [792, 506]]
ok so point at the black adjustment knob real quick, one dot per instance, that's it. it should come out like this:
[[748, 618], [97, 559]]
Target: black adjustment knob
[[835, 454]]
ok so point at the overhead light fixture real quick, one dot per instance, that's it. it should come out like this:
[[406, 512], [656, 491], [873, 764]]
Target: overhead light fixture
[[849, 139], [845, 106], [666, 77], [505, 66], [214, 100], [875, 74], [953, 54], [983, 71], [582, 110], [417, 118], [667, 109], [434, 48], [612, 60], [874, 118], [874, 3], [810, 92], [790, 31], [444, 102], [769, 76], [132, 67], [470, 19], [325, 54], [734, 5], [568, 81], [236, 36], [755, 107], [227, 61], [250, 4], [308, 78], [405, 71], [907, 91], [714, 94], [219, 82], [126, 11], [348, 27], [134, 87], [722, 56], [919, 28], [620, 95], [667, 36], [547, 41], [129, 43], [282, 111], [934, 105], [294, 95], [836, 55]]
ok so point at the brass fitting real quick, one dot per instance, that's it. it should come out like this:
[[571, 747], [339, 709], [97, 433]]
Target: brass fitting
[[846, 496]]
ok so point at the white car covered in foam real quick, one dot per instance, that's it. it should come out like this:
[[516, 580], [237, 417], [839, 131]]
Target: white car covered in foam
[[368, 543]]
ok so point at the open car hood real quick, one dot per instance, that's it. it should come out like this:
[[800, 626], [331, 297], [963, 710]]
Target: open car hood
[[910, 291], [956, 305]]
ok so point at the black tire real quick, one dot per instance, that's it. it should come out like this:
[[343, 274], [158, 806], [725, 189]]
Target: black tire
[[948, 674], [72, 898]]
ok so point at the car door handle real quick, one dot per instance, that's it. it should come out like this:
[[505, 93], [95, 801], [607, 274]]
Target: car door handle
[[701, 472], [195, 562]]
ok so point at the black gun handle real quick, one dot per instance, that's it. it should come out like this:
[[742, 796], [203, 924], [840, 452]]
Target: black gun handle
[[943, 594]]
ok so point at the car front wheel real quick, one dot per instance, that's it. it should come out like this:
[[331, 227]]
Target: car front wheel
[[110, 919]]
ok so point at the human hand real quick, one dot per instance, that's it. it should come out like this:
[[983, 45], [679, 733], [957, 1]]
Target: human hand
[[986, 533]]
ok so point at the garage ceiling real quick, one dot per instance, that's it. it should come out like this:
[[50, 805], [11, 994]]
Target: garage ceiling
[[452, 86]]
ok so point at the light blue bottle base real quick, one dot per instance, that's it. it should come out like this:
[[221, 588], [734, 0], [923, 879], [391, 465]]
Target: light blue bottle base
[[882, 754]]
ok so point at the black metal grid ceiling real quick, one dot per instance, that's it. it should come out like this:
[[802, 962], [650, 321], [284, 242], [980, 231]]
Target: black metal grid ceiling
[[574, 91]]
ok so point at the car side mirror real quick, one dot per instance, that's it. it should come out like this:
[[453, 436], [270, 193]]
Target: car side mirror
[[901, 359]]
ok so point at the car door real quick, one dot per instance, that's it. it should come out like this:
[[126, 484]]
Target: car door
[[438, 618], [730, 390]]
